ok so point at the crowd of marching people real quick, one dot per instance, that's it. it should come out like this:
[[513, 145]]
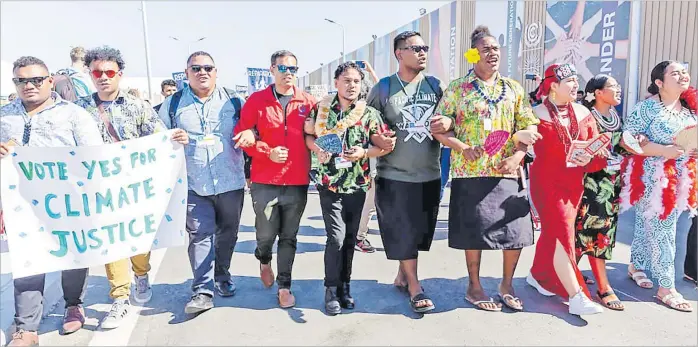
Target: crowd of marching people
[[382, 148]]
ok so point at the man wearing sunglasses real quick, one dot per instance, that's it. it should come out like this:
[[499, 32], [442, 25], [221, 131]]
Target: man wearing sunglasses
[[41, 118], [120, 117], [281, 171], [216, 177], [409, 179]]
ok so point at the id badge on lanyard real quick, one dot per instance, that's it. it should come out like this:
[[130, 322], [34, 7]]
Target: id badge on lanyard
[[208, 139]]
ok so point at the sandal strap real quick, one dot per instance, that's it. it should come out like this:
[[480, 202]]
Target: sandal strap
[[419, 297], [606, 294]]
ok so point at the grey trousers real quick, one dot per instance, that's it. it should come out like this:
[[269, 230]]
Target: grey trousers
[[213, 223], [278, 211], [29, 296]]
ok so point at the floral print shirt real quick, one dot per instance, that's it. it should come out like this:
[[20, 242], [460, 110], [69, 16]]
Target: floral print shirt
[[130, 117], [468, 108], [357, 177]]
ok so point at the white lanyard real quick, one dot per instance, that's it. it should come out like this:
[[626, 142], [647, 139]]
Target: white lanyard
[[419, 86]]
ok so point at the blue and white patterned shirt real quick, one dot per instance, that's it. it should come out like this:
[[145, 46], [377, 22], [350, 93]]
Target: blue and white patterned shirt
[[213, 167], [130, 116], [62, 124]]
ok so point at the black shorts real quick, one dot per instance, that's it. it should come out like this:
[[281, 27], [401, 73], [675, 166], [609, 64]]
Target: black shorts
[[407, 215]]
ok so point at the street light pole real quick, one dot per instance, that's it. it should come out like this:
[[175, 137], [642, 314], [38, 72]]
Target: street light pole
[[188, 43], [344, 54], [147, 49]]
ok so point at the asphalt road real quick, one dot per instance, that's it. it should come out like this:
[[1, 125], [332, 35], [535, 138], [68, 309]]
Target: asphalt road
[[382, 315]]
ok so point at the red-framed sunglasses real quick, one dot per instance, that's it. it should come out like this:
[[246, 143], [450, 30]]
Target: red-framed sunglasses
[[99, 73]]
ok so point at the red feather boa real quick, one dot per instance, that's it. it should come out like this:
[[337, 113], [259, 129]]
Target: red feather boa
[[669, 192], [693, 192], [637, 187], [690, 97]]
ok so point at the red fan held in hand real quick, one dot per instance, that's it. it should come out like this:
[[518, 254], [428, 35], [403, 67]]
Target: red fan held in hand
[[496, 141]]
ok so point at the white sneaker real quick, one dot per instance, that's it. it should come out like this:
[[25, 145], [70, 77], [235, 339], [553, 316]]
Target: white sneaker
[[119, 310], [142, 292], [581, 305], [533, 283]]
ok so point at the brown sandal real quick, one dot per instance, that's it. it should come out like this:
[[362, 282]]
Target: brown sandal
[[613, 304]]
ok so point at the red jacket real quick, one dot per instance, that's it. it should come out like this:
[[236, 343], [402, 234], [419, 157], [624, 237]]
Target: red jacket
[[263, 112]]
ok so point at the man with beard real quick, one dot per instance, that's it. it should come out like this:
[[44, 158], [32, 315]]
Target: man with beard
[[339, 131], [281, 171], [121, 116], [409, 179], [216, 177], [41, 118], [489, 208]]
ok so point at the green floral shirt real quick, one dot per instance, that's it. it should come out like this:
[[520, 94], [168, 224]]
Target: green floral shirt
[[357, 177], [467, 107]]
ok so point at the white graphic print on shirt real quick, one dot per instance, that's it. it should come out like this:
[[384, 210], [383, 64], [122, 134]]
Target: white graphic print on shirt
[[416, 116]]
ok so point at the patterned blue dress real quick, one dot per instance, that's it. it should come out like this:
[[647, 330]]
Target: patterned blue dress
[[654, 242]]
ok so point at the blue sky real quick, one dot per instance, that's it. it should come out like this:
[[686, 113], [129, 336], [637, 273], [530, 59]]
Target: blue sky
[[239, 34]]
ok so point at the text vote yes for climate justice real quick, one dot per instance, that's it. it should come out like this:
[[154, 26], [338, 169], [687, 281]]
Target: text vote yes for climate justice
[[76, 207]]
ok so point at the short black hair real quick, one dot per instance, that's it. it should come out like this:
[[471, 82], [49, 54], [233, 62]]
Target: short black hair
[[199, 54], [480, 32], [402, 37], [170, 83], [28, 61], [280, 54], [346, 66], [105, 53]]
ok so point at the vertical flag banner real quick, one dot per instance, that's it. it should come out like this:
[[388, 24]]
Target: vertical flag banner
[[258, 79], [181, 79], [596, 41]]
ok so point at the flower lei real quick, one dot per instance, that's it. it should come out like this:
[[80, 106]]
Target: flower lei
[[342, 125], [472, 55]]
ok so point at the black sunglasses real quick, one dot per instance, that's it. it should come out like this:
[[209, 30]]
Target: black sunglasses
[[197, 68], [417, 48], [36, 81], [284, 68]]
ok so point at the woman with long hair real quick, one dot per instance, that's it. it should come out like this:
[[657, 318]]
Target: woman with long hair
[[557, 186], [660, 180], [597, 218]]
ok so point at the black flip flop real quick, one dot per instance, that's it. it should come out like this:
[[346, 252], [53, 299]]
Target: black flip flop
[[588, 280], [421, 297], [609, 304], [689, 279]]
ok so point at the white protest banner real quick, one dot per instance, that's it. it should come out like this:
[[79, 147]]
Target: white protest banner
[[76, 207]]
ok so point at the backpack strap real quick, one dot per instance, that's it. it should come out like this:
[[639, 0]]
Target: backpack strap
[[384, 91], [174, 103], [235, 100], [435, 85]]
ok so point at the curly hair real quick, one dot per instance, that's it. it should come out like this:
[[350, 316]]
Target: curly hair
[[28, 61], [346, 66], [105, 53]]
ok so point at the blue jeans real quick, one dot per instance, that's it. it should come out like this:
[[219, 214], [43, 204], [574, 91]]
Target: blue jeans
[[213, 223], [445, 168]]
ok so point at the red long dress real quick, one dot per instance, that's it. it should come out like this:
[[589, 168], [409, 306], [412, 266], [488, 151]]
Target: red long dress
[[556, 192]]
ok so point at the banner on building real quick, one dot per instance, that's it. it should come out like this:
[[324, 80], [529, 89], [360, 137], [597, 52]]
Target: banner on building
[[181, 79], [258, 79], [77, 207], [595, 41], [504, 19]]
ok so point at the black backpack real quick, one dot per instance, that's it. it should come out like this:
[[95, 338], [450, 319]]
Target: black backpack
[[174, 104], [384, 88]]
